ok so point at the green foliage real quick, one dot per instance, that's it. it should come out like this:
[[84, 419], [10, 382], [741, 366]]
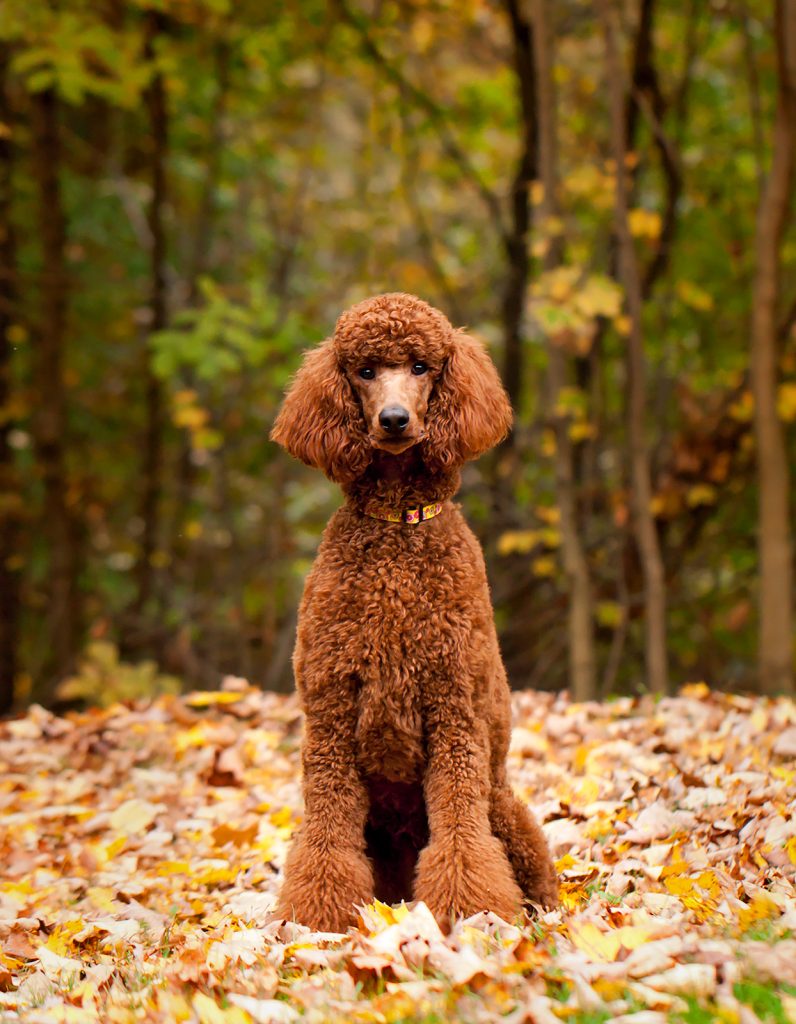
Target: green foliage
[[220, 337], [315, 156], [763, 999], [104, 680]]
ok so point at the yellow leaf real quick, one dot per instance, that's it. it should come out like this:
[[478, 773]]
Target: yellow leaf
[[548, 445], [708, 881], [588, 790], [599, 945], [543, 566], [599, 296], [16, 334], [133, 816], [701, 494], [422, 33], [679, 885], [551, 226], [699, 895], [786, 402], [605, 945], [657, 505], [517, 541], [400, 912], [788, 776], [102, 897], [378, 917], [743, 410], [790, 849], [60, 940], [209, 1012], [623, 325], [173, 867], [697, 691], [599, 827], [113, 848], [190, 416], [587, 181], [215, 875], [610, 988], [582, 430], [692, 295], [609, 613], [581, 756], [633, 936], [173, 1006], [196, 736], [762, 908], [281, 817], [644, 223], [206, 698], [559, 283], [550, 514]]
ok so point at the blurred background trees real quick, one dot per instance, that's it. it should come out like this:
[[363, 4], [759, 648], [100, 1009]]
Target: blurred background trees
[[192, 190]]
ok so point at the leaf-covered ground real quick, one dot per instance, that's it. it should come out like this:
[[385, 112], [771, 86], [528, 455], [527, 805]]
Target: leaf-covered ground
[[141, 849]]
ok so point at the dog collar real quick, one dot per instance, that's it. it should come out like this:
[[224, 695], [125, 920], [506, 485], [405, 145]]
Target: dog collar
[[406, 515]]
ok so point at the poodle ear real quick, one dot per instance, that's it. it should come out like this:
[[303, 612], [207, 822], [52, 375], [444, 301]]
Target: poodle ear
[[469, 412], [320, 421]]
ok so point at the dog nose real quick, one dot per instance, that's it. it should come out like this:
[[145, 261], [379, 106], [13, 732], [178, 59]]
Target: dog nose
[[394, 419]]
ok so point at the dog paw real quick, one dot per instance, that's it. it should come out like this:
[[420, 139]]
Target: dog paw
[[460, 878], [320, 891], [526, 848], [544, 890]]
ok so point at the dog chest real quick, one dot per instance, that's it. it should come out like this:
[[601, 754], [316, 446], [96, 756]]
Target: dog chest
[[389, 730]]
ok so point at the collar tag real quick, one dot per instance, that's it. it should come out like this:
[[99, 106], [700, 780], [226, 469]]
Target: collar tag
[[411, 516]]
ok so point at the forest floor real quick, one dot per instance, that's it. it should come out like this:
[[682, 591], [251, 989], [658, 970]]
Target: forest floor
[[141, 848]]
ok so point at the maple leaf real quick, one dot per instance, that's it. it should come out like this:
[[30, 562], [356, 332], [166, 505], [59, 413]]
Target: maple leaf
[[671, 824]]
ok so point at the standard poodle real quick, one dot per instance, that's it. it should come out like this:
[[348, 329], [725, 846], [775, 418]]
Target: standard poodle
[[397, 661]]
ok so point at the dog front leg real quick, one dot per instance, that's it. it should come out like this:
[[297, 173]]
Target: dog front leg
[[327, 871], [464, 868]]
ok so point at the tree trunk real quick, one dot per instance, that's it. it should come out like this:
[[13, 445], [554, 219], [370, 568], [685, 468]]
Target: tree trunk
[[50, 422], [10, 498], [629, 275], [775, 653], [184, 470], [153, 436], [516, 239], [645, 98], [582, 661]]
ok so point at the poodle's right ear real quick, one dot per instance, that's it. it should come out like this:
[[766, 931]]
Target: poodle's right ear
[[320, 421]]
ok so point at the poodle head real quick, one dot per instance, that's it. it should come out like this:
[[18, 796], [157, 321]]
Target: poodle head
[[394, 375]]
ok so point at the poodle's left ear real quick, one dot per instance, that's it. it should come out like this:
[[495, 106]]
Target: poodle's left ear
[[469, 412], [320, 421]]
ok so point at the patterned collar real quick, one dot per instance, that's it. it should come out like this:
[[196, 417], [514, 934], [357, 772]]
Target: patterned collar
[[406, 515]]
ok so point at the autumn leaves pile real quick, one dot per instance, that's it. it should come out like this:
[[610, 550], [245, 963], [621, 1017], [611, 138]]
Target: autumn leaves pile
[[141, 849]]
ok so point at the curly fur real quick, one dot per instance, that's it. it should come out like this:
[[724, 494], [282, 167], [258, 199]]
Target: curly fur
[[397, 661]]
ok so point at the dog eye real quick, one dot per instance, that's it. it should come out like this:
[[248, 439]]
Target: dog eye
[[418, 369], [367, 373]]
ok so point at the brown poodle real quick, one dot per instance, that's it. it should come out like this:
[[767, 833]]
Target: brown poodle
[[397, 660]]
